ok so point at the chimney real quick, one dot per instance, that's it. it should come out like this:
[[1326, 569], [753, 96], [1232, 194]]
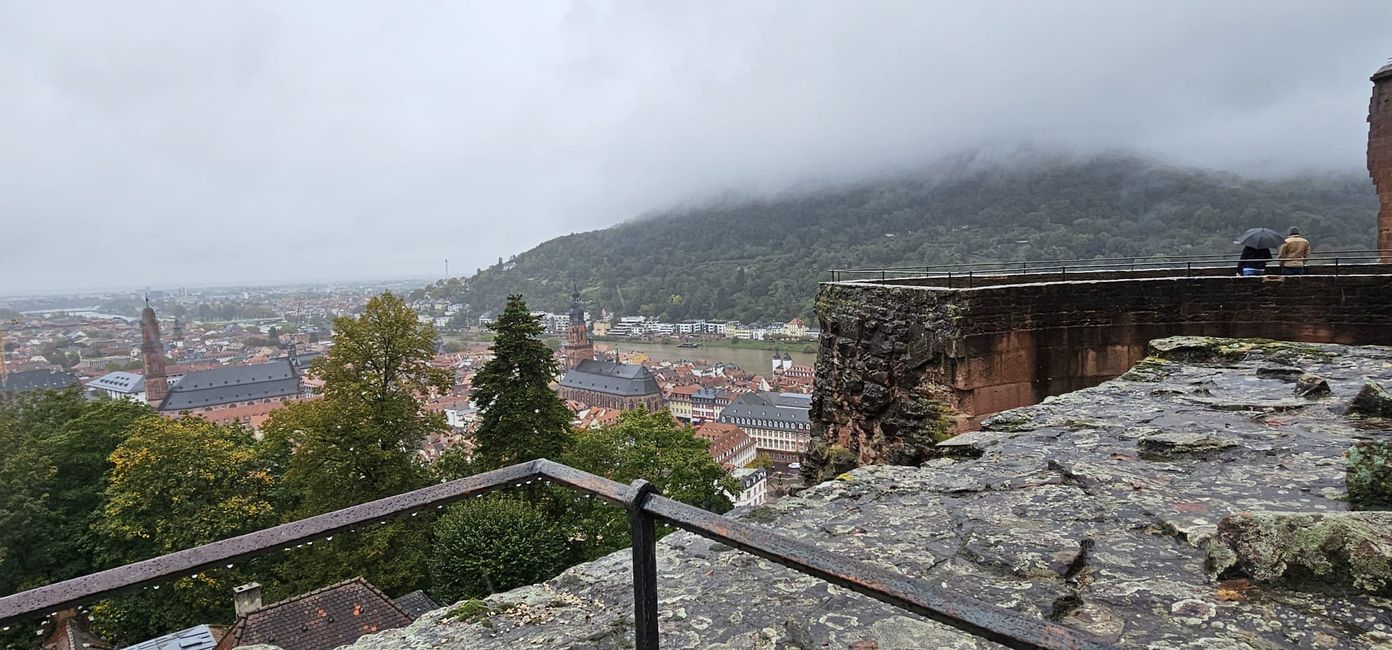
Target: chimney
[[246, 598]]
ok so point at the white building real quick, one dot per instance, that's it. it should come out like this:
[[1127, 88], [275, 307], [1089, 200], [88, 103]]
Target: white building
[[119, 385], [754, 486]]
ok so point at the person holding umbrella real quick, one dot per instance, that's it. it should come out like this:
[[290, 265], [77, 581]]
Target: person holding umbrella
[[1256, 250], [1293, 253]]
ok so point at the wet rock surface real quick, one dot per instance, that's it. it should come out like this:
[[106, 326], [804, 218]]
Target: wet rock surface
[[1098, 509]]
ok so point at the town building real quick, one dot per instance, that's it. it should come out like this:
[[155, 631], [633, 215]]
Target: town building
[[244, 394], [679, 401], [24, 381], [753, 486], [118, 384], [708, 403], [778, 422], [729, 445], [610, 384]]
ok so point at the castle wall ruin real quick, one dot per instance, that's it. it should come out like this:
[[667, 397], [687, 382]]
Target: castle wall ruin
[[1380, 154], [903, 363]]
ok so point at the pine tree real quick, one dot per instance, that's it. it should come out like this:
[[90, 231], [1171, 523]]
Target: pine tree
[[521, 417]]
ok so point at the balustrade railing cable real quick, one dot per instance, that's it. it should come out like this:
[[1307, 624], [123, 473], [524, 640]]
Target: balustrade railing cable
[[645, 507], [1326, 262]]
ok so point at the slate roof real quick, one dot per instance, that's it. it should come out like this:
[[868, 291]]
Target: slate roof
[[416, 603], [319, 620], [119, 381], [199, 637], [219, 386], [611, 378], [787, 409], [26, 381]]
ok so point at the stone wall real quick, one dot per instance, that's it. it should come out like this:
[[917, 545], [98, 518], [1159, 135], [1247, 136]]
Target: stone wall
[[901, 366], [1380, 154]]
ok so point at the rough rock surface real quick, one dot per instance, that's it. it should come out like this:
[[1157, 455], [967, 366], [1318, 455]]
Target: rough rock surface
[[1307, 551], [1095, 508]]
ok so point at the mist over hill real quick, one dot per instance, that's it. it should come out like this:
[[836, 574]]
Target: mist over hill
[[761, 258]]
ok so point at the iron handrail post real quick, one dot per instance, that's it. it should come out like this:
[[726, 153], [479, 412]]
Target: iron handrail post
[[644, 532]]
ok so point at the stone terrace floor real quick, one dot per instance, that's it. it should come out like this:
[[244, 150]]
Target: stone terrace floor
[[1092, 508]]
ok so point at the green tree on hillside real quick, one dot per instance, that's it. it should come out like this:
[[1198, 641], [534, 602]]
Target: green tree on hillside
[[521, 418], [761, 259]]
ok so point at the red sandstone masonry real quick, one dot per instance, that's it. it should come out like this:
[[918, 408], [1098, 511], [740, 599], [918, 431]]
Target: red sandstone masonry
[[887, 347], [1380, 154]]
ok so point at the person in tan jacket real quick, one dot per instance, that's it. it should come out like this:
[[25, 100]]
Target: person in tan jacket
[[1293, 253]]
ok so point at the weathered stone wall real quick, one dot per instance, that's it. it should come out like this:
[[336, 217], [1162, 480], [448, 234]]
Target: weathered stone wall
[[900, 366], [1380, 154]]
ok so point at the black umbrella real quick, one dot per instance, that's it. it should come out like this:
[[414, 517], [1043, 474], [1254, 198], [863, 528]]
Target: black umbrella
[[1260, 238]]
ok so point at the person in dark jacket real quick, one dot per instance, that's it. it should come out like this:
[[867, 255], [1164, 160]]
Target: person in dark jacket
[[1253, 261]]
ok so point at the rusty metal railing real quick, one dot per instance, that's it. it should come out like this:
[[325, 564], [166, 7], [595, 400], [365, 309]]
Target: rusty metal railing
[[1320, 263], [645, 507]]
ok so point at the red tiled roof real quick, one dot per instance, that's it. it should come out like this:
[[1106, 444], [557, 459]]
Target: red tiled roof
[[319, 620]]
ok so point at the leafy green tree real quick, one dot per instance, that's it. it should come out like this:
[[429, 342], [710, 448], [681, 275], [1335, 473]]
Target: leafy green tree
[[520, 417], [24, 508], [651, 446], [175, 484], [56, 447], [359, 443], [485, 546], [80, 454]]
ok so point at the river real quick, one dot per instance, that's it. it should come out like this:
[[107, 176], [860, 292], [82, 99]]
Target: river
[[751, 360]]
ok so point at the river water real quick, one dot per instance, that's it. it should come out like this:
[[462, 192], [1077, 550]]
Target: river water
[[754, 361]]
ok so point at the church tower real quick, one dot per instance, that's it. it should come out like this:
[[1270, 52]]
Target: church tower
[[577, 347], [152, 358], [1380, 154]]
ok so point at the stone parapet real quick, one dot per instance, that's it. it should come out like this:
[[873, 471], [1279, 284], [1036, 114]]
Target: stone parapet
[[901, 366]]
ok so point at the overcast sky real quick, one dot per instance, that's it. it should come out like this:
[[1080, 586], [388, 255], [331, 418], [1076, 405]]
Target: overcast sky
[[186, 143]]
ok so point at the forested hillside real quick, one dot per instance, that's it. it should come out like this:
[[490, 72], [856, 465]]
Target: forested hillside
[[761, 259]]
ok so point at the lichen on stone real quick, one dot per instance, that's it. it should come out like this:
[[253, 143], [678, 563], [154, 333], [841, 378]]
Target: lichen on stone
[[1306, 551], [1368, 475], [1371, 401]]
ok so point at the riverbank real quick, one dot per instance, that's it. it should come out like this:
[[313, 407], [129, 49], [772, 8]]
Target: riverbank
[[803, 346]]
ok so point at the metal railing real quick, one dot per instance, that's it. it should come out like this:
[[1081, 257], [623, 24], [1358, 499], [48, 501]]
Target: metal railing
[[645, 507], [1329, 261]]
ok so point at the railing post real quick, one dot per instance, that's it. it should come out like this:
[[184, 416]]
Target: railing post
[[644, 532]]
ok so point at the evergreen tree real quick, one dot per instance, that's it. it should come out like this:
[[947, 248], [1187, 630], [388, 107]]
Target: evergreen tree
[[521, 418]]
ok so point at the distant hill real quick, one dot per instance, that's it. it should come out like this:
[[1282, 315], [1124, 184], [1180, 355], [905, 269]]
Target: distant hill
[[760, 259]]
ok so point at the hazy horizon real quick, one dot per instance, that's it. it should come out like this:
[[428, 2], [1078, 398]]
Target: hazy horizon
[[258, 143]]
